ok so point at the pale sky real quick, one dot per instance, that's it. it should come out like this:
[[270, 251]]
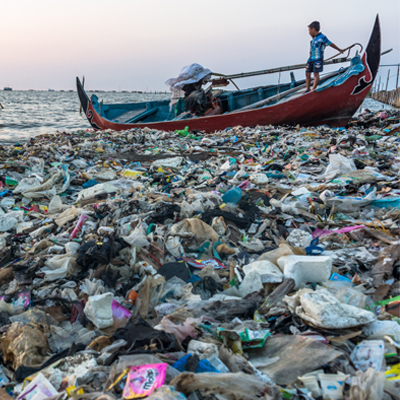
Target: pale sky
[[139, 44]]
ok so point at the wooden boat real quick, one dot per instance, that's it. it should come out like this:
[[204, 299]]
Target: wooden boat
[[334, 102]]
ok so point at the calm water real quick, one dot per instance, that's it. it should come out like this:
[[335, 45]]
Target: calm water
[[30, 113]]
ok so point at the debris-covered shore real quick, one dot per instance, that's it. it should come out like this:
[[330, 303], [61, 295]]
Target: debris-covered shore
[[251, 263]]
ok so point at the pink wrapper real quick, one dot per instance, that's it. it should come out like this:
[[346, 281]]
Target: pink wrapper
[[322, 232], [78, 226], [119, 311], [143, 379]]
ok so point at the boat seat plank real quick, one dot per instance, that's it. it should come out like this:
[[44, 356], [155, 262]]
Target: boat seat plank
[[143, 115], [123, 118]]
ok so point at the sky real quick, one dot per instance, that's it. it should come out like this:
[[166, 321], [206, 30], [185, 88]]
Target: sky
[[139, 44]]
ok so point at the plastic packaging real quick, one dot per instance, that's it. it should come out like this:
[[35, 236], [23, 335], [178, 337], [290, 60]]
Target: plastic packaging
[[332, 385], [368, 354], [78, 226], [232, 196], [142, 380], [39, 388]]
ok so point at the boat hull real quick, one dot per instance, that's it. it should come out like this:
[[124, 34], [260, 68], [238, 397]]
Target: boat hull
[[333, 105]]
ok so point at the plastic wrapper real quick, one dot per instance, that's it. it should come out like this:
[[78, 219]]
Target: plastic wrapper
[[142, 380]]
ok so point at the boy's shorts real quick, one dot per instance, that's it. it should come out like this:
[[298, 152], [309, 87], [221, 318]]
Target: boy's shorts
[[315, 66]]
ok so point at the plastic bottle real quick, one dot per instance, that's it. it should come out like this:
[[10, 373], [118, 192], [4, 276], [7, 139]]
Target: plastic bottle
[[232, 196]]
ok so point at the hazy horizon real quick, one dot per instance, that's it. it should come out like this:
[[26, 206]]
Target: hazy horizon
[[138, 45]]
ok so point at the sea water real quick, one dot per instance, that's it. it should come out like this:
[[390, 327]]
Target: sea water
[[30, 113]]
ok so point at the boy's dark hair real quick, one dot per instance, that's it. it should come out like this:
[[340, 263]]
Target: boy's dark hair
[[316, 25]]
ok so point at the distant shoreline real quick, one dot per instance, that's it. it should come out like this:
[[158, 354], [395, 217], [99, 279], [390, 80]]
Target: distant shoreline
[[163, 92]]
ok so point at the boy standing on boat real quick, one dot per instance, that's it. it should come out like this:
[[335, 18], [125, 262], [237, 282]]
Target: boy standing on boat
[[315, 63]]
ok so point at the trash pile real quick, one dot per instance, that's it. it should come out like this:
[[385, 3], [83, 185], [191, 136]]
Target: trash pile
[[251, 263]]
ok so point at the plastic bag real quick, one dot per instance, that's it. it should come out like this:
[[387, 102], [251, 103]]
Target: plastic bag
[[229, 386], [26, 184], [344, 203], [47, 189], [68, 215], [137, 237], [180, 331], [338, 165], [196, 229], [37, 165], [368, 354], [368, 385], [166, 393], [96, 190], [11, 220], [284, 358], [55, 205], [62, 265], [323, 309], [24, 346], [134, 360], [351, 297]]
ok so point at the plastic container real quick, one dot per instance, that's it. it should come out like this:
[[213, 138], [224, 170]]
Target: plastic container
[[232, 196], [332, 385], [311, 383]]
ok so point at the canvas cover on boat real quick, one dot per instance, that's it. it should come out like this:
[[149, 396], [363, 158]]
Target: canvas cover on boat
[[189, 74]]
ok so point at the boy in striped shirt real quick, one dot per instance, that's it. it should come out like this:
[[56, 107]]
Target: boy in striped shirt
[[315, 62]]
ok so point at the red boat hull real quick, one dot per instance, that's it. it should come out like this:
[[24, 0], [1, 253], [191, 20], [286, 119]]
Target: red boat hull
[[333, 106]]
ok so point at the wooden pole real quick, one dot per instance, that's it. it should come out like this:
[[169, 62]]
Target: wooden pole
[[397, 79], [387, 81], [278, 96]]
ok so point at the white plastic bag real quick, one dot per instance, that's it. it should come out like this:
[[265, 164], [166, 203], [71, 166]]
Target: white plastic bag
[[324, 310], [137, 237], [338, 165], [55, 205]]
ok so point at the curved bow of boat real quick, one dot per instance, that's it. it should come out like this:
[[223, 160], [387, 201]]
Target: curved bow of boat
[[373, 49], [86, 103], [83, 97], [371, 59]]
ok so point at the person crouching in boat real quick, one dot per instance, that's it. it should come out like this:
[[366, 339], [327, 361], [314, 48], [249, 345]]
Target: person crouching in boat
[[315, 63], [189, 86]]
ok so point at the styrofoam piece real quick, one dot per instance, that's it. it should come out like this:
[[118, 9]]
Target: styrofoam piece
[[269, 272], [306, 269], [259, 179], [202, 349], [251, 283], [168, 162], [98, 310], [299, 238]]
